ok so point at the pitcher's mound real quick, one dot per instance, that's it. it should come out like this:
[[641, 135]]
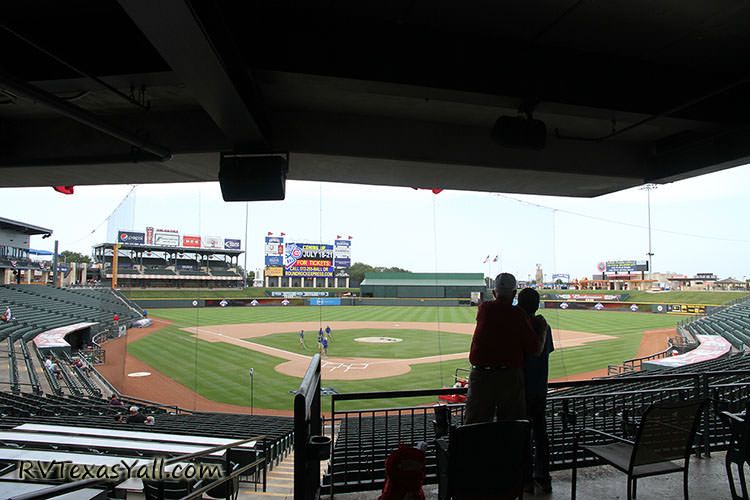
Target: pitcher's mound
[[378, 340]]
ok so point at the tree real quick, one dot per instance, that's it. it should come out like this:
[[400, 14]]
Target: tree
[[358, 269], [69, 256]]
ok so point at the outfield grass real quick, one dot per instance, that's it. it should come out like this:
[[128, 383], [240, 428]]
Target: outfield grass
[[414, 343], [672, 297], [218, 371], [322, 315]]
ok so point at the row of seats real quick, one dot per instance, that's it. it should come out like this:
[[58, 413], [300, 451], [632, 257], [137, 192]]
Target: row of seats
[[732, 323]]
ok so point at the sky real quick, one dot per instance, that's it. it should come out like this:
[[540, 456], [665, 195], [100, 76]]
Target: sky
[[698, 225]]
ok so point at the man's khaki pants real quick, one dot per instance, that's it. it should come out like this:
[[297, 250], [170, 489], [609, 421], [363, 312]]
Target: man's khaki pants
[[495, 393]]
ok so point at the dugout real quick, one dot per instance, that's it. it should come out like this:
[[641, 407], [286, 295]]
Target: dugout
[[422, 285]]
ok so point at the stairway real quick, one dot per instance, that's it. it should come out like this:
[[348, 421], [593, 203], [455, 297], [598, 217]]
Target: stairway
[[280, 483]]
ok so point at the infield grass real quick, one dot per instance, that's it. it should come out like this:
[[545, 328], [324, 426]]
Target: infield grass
[[413, 344], [219, 371]]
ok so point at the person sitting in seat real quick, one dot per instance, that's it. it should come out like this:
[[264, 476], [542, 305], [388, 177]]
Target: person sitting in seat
[[150, 420], [6, 316], [115, 401], [135, 416]]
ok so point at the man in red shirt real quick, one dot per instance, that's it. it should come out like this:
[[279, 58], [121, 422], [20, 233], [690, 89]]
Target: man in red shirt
[[502, 337]]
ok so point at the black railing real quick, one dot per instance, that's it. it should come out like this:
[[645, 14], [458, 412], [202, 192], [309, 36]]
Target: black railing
[[307, 423], [363, 438]]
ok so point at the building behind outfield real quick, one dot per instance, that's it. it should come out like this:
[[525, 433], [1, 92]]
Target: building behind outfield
[[422, 285]]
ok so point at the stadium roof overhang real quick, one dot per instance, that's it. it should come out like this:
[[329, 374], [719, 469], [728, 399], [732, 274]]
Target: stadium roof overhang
[[160, 248], [22, 227], [400, 94]]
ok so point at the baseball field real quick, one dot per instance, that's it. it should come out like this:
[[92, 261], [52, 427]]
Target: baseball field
[[209, 351]]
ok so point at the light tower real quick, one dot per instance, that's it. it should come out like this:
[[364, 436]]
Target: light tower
[[648, 188]]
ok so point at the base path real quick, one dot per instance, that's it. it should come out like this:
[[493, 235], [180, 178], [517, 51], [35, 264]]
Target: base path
[[158, 386], [338, 368]]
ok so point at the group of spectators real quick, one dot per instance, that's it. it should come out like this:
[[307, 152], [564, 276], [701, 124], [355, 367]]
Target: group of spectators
[[134, 416], [510, 365], [53, 366]]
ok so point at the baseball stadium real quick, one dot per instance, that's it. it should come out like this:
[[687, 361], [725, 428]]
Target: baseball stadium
[[255, 250]]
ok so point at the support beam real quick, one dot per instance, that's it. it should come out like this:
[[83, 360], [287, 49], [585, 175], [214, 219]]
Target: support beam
[[194, 49]]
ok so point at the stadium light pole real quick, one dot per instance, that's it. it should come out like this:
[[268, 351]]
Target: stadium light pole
[[648, 188], [252, 373], [245, 264]]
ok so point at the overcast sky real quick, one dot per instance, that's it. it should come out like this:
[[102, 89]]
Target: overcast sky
[[699, 225]]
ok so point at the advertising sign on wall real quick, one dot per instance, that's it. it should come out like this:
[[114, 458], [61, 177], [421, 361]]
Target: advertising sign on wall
[[564, 278], [274, 251], [274, 271], [166, 238], [342, 254], [626, 266], [232, 244], [191, 241], [308, 260], [213, 242], [131, 237], [686, 308], [149, 236]]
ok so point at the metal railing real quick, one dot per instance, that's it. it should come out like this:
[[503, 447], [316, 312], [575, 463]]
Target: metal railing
[[635, 364], [363, 438]]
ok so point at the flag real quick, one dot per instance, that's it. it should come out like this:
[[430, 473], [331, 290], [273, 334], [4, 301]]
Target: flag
[[434, 190], [495, 259], [338, 236], [486, 260], [349, 237], [64, 189], [269, 233], [283, 234]]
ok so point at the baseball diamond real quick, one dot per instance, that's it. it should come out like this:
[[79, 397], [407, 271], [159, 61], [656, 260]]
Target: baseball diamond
[[209, 351]]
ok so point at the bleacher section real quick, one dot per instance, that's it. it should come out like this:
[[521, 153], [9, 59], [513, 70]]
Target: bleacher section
[[732, 323], [86, 412], [37, 309]]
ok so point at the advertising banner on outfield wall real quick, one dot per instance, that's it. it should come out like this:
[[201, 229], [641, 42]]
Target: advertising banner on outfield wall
[[166, 238], [232, 244], [308, 260], [149, 236], [213, 242], [131, 237], [686, 308], [626, 266], [342, 254], [290, 295], [274, 251], [586, 297], [191, 241]]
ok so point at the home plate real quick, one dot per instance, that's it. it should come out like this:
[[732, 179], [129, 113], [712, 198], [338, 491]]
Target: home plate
[[139, 374]]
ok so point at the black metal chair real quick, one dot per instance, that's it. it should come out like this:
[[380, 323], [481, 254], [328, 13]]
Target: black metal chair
[[229, 489], [168, 490], [486, 459], [665, 434], [738, 452]]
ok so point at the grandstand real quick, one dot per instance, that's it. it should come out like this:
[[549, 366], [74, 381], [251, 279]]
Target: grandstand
[[157, 266], [73, 399], [731, 322]]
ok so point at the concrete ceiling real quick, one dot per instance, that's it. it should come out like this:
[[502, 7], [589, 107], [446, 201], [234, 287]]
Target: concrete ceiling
[[387, 92]]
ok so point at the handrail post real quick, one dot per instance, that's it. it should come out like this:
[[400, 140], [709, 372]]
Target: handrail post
[[703, 377]]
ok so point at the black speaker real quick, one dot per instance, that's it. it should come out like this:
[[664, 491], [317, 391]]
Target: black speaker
[[521, 133], [253, 178]]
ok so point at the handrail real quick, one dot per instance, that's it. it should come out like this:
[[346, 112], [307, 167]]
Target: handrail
[[86, 483], [199, 492], [33, 378]]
